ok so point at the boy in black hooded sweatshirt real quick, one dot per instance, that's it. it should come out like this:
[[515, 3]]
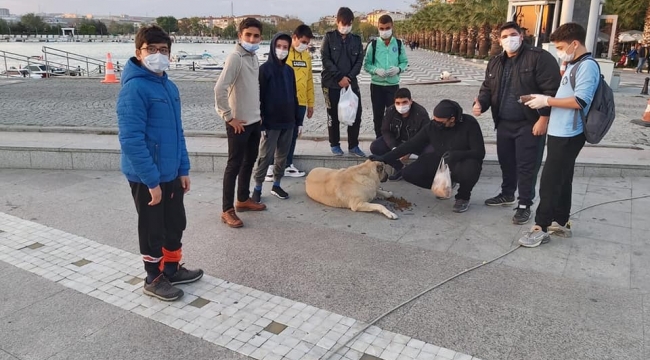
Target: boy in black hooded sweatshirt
[[280, 113]]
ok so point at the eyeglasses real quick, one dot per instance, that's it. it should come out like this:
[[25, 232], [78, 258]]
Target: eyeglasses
[[153, 50]]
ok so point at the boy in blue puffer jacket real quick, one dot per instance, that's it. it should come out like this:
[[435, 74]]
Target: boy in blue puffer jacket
[[280, 114], [155, 162]]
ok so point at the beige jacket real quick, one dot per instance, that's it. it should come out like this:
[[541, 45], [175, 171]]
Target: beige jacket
[[237, 92]]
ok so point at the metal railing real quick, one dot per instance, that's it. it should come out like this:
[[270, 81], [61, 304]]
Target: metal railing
[[91, 66], [89, 63]]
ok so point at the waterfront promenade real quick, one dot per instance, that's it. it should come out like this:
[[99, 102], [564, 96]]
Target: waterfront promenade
[[300, 279]]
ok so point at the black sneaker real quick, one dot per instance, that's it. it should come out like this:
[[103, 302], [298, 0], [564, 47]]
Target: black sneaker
[[277, 191], [500, 200], [397, 176], [185, 276], [257, 196], [162, 289], [522, 216], [460, 206]]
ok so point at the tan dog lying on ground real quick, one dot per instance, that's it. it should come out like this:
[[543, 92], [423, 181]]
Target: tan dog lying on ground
[[351, 188]]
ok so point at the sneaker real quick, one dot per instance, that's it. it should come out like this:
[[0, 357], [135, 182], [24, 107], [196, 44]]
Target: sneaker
[[500, 200], [336, 150], [292, 171], [257, 195], [397, 176], [162, 289], [559, 230], [534, 237], [522, 215], [356, 151], [460, 206], [277, 191], [185, 276], [269, 174]]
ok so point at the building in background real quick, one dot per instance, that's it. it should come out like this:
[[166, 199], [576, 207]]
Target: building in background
[[373, 17]]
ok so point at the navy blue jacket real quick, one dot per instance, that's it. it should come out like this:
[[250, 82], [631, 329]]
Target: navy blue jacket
[[150, 128], [278, 93]]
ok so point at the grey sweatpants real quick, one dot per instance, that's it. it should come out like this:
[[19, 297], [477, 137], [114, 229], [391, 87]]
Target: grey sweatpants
[[276, 144]]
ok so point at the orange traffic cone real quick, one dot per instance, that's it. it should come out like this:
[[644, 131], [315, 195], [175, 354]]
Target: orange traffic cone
[[110, 78], [645, 119]]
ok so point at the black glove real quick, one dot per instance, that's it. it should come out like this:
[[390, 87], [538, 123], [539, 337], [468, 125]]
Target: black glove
[[374, 157]]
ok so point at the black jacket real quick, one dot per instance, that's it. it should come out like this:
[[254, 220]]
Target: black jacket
[[395, 129], [334, 54], [535, 71], [278, 96], [463, 141]]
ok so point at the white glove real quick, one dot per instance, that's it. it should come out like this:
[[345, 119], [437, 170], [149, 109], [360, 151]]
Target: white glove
[[394, 70], [380, 72], [299, 130], [538, 101]]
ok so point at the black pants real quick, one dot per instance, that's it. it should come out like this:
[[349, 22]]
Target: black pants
[[379, 147], [242, 153], [557, 180], [332, 97], [160, 226], [520, 156], [422, 171], [381, 98]]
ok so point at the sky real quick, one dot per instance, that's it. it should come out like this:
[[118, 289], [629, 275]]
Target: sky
[[307, 10]]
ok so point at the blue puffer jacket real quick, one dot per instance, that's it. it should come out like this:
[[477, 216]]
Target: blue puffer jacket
[[150, 128]]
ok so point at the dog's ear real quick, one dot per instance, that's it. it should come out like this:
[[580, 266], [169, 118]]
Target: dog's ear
[[380, 168]]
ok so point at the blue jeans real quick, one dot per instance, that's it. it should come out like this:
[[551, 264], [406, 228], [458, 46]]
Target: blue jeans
[[642, 61], [302, 110]]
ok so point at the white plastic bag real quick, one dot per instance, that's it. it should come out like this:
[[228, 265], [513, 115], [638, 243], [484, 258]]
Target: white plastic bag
[[442, 181], [348, 104]]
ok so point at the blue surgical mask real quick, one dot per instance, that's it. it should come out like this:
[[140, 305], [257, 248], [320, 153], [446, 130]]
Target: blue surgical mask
[[249, 47]]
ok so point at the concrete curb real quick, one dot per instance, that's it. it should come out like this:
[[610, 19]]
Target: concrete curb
[[219, 134], [65, 158]]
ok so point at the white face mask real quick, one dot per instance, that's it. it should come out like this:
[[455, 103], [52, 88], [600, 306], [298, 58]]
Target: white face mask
[[281, 54], [302, 47], [345, 29], [403, 109], [563, 56], [511, 44], [386, 34], [157, 62]]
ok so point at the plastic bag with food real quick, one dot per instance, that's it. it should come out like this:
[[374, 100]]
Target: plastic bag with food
[[348, 105], [441, 187]]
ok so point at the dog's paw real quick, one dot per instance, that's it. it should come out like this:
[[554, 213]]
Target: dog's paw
[[391, 215]]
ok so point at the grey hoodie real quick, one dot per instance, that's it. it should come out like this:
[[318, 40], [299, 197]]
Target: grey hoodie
[[237, 92]]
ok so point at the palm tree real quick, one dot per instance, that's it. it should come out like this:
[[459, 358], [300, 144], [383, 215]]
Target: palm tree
[[630, 17], [646, 26]]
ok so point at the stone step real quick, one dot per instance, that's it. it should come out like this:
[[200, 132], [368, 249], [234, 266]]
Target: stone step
[[87, 151]]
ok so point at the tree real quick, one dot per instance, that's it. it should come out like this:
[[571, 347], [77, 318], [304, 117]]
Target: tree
[[168, 23], [87, 29], [367, 30], [230, 32], [4, 27], [289, 24], [32, 22], [268, 30]]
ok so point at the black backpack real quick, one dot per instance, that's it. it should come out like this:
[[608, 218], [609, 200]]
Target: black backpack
[[597, 122], [374, 48]]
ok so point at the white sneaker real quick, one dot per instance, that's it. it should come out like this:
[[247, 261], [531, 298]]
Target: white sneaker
[[269, 174], [292, 171]]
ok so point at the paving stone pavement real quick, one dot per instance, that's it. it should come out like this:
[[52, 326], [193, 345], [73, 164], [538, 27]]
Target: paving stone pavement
[[579, 298], [230, 315], [88, 103]]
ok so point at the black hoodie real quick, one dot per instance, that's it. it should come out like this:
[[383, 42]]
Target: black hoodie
[[278, 94]]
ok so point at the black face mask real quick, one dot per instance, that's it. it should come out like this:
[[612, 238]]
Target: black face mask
[[438, 125]]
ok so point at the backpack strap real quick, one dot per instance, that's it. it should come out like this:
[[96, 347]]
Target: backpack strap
[[374, 49], [572, 80]]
